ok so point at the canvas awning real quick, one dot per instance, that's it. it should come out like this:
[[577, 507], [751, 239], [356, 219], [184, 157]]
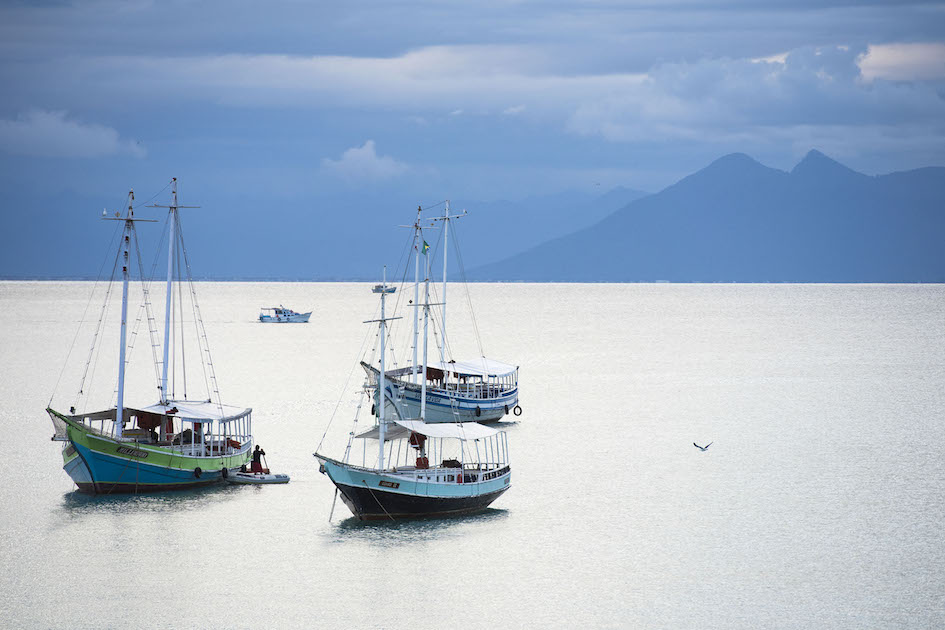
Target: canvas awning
[[198, 411], [476, 367], [460, 431]]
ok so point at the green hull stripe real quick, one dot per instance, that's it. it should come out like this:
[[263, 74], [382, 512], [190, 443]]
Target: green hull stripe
[[162, 456]]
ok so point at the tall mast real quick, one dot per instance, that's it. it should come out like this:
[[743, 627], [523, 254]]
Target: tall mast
[[417, 244], [426, 319], [446, 241], [446, 223], [383, 289], [171, 243], [381, 386], [126, 244], [171, 248]]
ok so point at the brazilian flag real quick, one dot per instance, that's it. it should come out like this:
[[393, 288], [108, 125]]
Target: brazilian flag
[[425, 248]]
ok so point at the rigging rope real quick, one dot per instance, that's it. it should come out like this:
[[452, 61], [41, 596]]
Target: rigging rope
[[91, 361], [144, 307], [82, 319], [166, 186], [472, 311], [180, 312], [201, 331], [344, 389], [152, 325]]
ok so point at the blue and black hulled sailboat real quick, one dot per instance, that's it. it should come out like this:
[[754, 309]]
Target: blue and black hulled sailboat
[[421, 469]]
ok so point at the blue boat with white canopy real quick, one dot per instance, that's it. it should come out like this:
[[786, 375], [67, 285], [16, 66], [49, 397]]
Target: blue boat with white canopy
[[472, 390]]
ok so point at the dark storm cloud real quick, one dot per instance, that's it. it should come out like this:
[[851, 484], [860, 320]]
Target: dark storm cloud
[[659, 79]]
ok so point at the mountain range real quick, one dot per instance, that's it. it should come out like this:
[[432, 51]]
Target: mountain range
[[246, 237], [740, 221], [736, 220]]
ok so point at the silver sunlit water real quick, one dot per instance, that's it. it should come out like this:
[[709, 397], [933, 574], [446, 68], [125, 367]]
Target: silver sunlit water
[[821, 502]]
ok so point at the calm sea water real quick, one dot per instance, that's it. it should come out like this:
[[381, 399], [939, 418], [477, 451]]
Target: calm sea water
[[821, 503]]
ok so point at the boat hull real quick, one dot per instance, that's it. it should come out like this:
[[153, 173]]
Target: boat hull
[[101, 465], [373, 504], [369, 495], [255, 479], [403, 400], [298, 318], [442, 407]]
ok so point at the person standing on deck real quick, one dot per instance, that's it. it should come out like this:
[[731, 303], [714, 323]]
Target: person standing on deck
[[257, 463]]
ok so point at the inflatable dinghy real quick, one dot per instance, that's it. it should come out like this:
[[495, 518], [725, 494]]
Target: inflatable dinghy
[[256, 478]]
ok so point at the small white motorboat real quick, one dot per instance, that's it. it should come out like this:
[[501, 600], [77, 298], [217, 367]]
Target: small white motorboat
[[283, 315], [256, 478]]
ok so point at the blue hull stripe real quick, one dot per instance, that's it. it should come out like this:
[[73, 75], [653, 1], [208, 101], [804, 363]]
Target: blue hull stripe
[[107, 470]]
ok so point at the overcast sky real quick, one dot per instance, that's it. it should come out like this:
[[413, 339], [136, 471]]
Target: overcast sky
[[291, 100]]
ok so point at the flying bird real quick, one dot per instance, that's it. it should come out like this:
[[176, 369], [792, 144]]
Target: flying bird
[[702, 448]]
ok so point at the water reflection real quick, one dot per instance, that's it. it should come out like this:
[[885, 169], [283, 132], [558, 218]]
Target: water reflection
[[386, 532], [77, 503]]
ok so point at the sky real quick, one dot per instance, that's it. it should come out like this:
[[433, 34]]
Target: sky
[[285, 107]]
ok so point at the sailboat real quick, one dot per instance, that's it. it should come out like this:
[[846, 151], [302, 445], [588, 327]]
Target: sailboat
[[176, 442], [472, 390], [422, 469]]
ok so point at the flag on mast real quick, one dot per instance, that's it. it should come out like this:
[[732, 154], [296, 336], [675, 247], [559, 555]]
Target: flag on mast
[[425, 248]]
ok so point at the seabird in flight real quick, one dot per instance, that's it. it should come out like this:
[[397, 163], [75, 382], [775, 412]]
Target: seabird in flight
[[702, 448]]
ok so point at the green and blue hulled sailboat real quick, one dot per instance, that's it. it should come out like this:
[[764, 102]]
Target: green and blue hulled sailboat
[[177, 442]]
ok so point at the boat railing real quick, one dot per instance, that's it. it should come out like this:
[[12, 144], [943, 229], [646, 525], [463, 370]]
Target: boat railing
[[473, 392], [215, 446], [471, 473]]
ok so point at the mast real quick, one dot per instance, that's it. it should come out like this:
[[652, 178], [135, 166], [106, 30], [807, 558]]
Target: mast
[[126, 243], [383, 289], [416, 292], [171, 242], [446, 241], [171, 248], [446, 224], [426, 319], [381, 384]]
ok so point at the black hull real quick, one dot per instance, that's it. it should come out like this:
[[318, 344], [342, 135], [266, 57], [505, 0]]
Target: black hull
[[372, 504]]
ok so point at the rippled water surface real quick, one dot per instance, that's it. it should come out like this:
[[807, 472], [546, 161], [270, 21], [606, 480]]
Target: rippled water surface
[[820, 504]]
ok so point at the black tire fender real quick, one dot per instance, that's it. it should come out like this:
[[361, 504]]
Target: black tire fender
[[517, 410], [197, 472]]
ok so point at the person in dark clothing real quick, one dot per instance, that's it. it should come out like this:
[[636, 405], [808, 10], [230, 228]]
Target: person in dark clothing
[[257, 463]]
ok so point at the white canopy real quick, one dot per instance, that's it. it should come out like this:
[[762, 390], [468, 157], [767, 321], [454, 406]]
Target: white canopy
[[198, 411], [459, 431], [476, 367]]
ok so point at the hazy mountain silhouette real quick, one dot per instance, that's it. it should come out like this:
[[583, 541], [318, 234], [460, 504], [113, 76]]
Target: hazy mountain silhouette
[[740, 221], [240, 236]]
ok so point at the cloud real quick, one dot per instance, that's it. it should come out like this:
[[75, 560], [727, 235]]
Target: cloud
[[363, 163], [51, 134], [751, 101], [904, 62], [865, 92]]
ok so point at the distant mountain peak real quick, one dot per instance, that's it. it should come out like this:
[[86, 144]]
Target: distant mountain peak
[[736, 158], [816, 162], [734, 162], [731, 167]]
